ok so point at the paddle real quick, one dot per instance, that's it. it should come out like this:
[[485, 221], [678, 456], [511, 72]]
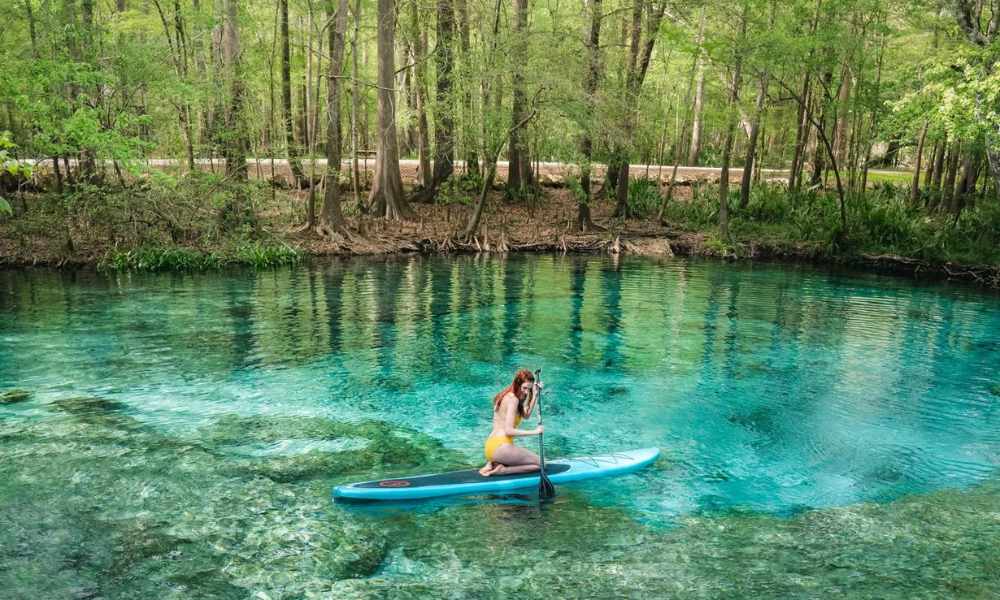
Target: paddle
[[546, 491]]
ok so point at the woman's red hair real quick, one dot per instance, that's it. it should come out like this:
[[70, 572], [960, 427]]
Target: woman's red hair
[[515, 388]]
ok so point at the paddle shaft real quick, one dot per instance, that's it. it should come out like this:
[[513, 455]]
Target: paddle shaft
[[545, 488]]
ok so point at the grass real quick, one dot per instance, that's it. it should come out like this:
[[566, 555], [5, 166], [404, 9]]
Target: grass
[[881, 221], [900, 178], [157, 258]]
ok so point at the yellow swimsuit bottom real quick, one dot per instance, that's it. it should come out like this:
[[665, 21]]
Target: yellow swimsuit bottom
[[495, 441]]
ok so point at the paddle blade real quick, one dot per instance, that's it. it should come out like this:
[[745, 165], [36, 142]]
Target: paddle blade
[[546, 491]]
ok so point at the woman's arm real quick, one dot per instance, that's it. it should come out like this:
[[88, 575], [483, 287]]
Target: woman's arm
[[509, 405], [532, 401]]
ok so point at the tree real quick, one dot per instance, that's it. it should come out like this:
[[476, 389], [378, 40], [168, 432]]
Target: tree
[[235, 136], [699, 96], [981, 25], [444, 142], [286, 97], [386, 196], [734, 96], [590, 83], [640, 51], [520, 179], [331, 216]]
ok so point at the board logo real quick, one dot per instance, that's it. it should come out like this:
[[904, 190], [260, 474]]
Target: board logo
[[394, 483]]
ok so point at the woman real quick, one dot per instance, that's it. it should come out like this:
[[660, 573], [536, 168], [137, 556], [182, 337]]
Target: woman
[[514, 403]]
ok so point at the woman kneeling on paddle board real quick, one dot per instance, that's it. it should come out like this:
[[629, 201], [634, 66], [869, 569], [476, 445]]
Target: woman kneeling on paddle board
[[514, 403]]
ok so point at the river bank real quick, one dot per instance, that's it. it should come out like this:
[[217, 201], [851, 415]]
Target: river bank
[[179, 232]]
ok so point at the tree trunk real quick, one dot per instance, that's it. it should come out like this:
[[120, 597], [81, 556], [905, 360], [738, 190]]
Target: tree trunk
[[678, 150], [731, 122], [519, 176], [331, 215], [591, 77], [969, 162], [31, 28], [752, 143], [948, 186], [444, 142], [355, 99], [699, 97], [802, 132], [471, 153], [88, 158], [915, 186], [819, 164], [286, 98], [842, 116], [59, 177], [640, 52], [938, 173], [805, 114], [929, 174], [969, 181], [423, 137], [235, 149], [408, 135], [386, 195]]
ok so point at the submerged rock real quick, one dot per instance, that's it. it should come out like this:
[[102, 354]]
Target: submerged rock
[[384, 447], [90, 508], [88, 405], [12, 396], [87, 505], [95, 410], [924, 546]]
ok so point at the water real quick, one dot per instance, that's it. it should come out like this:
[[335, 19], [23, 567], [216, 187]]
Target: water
[[186, 430]]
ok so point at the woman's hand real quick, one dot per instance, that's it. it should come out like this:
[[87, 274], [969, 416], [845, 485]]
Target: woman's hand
[[539, 430]]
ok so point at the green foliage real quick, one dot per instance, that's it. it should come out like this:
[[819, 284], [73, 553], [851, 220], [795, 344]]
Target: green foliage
[[266, 256], [694, 213], [9, 165], [575, 187], [459, 190], [644, 197], [157, 258], [879, 222]]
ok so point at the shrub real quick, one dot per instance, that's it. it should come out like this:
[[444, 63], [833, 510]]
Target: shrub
[[644, 197]]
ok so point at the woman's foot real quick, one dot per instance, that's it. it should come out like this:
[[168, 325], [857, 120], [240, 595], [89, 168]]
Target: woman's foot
[[514, 470], [489, 469]]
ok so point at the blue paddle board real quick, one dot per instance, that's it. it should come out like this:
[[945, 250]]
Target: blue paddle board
[[471, 482]]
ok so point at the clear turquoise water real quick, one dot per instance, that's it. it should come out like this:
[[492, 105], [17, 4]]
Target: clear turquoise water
[[779, 395]]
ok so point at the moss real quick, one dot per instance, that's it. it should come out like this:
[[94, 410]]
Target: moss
[[93, 410], [12, 396]]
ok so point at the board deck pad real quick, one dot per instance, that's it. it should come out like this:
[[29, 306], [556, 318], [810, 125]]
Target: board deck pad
[[456, 477], [469, 481]]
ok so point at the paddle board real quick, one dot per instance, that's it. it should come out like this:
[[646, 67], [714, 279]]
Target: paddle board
[[471, 482]]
